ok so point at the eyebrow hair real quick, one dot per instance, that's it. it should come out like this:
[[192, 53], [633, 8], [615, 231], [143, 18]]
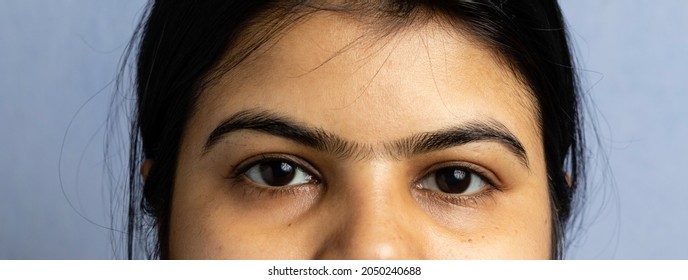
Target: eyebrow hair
[[319, 139], [474, 131], [281, 126]]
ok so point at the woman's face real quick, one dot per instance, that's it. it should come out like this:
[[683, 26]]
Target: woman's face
[[335, 143]]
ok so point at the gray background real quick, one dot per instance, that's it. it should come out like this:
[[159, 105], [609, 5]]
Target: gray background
[[58, 60]]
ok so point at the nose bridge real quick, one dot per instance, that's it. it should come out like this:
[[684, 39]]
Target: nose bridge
[[373, 220]]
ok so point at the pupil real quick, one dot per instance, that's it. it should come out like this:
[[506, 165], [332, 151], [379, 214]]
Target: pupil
[[277, 173], [452, 180]]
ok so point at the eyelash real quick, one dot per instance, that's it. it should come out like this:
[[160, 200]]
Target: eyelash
[[250, 188], [462, 200]]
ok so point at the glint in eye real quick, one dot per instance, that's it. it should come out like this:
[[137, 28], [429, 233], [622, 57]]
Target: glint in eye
[[454, 180], [278, 173]]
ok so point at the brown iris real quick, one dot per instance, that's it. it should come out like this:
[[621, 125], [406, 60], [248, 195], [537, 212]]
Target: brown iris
[[452, 180], [277, 173]]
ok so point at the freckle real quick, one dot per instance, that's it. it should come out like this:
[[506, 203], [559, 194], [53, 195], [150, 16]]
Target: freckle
[[483, 237], [470, 240], [289, 225]]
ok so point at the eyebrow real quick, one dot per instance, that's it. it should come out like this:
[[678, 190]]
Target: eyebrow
[[319, 139]]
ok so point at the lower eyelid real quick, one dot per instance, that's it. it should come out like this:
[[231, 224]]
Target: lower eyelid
[[248, 188], [471, 201]]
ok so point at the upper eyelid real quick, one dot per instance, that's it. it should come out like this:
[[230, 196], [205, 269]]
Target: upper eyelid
[[485, 174], [249, 162]]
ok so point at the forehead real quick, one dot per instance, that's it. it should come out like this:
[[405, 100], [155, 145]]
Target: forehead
[[336, 73]]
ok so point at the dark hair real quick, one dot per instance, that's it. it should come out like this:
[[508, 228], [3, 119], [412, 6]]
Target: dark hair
[[181, 45]]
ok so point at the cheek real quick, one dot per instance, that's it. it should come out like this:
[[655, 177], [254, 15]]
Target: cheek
[[511, 225], [212, 220], [530, 223], [218, 226]]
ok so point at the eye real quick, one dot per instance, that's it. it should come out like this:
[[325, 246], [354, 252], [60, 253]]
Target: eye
[[454, 180], [278, 173]]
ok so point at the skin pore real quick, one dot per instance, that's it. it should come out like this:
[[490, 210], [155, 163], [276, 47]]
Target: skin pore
[[367, 133]]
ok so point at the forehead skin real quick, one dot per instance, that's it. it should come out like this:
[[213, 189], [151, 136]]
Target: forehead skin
[[371, 91], [344, 61]]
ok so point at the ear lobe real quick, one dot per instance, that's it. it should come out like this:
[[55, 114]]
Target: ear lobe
[[145, 168], [567, 178]]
